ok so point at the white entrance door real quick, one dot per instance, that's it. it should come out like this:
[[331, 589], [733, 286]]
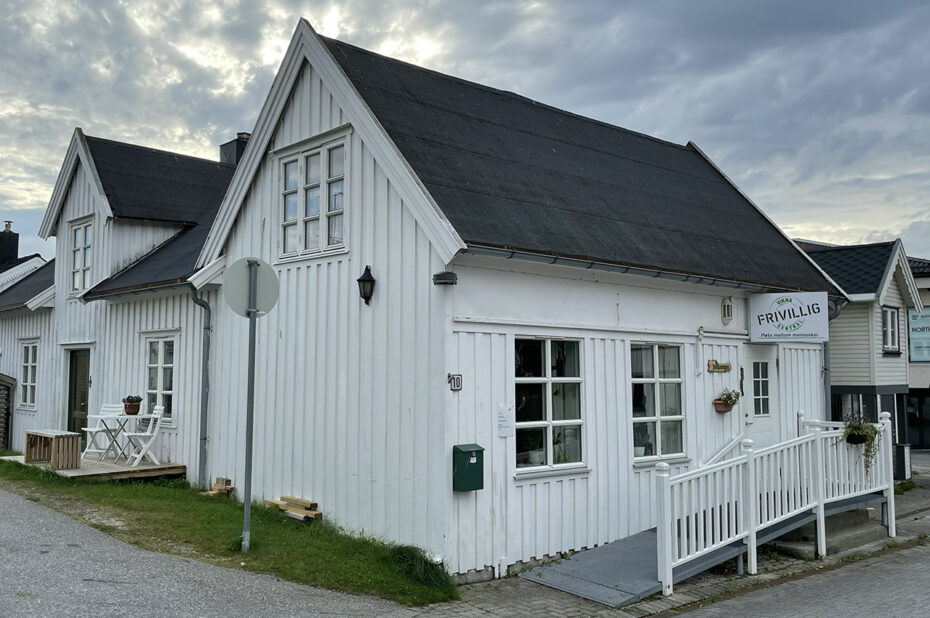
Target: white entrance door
[[759, 403]]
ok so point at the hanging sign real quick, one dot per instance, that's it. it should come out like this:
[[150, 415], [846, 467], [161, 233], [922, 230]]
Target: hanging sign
[[788, 316], [717, 367], [919, 335]]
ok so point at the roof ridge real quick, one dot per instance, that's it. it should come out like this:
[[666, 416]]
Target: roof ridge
[[510, 94], [842, 247], [157, 150]]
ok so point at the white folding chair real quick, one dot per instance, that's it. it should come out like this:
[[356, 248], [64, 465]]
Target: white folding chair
[[101, 432], [141, 441]]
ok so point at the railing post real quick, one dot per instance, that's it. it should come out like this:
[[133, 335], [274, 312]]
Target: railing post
[[664, 527], [885, 420], [800, 423], [750, 504], [819, 471]]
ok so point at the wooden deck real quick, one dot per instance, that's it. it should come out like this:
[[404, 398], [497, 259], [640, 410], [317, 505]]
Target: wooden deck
[[91, 468]]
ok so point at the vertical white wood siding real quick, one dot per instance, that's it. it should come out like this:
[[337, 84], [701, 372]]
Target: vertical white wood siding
[[129, 240], [349, 398], [801, 378]]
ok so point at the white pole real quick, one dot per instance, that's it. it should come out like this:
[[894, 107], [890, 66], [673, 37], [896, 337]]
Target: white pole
[[820, 471], [885, 419], [250, 408], [664, 527], [751, 504]]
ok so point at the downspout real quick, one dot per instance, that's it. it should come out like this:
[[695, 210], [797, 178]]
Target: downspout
[[204, 384], [834, 308]]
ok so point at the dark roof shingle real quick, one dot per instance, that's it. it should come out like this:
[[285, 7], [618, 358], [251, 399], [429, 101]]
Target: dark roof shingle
[[858, 269], [26, 288]]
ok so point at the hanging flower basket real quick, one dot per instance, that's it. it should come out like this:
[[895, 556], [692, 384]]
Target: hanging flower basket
[[721, 406], [855, 438]]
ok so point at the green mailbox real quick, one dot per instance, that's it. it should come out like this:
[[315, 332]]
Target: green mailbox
[[467, 467]]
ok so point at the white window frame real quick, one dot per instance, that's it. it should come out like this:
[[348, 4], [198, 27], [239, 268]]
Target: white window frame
[[891, 331], [85, 250], [160, 366], [658, 419], [761, 402], [549, 423], [300, 155], [28, 372]]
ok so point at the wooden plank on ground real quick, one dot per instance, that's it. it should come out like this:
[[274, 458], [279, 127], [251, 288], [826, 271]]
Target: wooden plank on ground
[[304, 515], [307, 504], [278, 503]]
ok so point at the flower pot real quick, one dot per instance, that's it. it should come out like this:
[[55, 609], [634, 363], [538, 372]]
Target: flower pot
[[721, 406], [131, 409], [639, 451], [855, 438]]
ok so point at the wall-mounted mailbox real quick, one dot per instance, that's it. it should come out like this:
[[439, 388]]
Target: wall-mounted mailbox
[[467, 467]]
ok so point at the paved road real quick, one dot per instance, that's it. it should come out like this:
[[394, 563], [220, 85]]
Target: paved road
[[52, 565], [896, 584]]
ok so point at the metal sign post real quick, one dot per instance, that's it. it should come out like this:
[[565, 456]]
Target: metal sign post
[[250, 287]]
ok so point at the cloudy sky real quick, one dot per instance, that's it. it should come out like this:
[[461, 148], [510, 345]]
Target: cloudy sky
[[819, 110]]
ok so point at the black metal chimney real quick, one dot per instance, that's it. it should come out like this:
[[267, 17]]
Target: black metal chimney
[[9, 244], [231, 151]]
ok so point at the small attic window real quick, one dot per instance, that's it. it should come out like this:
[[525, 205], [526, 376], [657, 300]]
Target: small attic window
[[82, 237], [890, 337]]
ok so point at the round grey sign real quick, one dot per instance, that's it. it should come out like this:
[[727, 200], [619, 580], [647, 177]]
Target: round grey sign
[[236, 286]]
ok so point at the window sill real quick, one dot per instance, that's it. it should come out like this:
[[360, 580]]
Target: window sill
[[529, 475], [650, 462], [303, 257], [25, 409], [891, 352]]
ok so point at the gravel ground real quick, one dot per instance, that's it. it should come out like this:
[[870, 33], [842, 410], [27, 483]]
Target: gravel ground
[[52, 565]]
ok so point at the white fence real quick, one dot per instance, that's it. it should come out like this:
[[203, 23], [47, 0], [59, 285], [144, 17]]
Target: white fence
[[708, 508]]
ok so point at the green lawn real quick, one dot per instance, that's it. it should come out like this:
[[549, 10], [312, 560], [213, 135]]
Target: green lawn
[[170, 516]]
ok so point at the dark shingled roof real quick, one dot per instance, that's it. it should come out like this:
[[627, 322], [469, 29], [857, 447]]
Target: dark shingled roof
[[513, 173], [26, 288], [858, 269], [919, 267], [8, 265], [164, 186]]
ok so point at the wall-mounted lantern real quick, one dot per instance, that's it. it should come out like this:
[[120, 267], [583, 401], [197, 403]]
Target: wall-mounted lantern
[[366, 285], [726, 310], [447, 277]]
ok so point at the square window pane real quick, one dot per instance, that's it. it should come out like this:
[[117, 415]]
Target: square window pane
[[153, 379], [153, 353], [335, 230], [644, 439], [765, 406], [335, 196], [167, 382], [32, 374], [765, 388], [641, 360], [88, 235], [566, 444], [531, 402], [755, 371], [531, 447], [565, 361], [669, 361], [169, 353], [312, 202], [167, 401], [566, 401], [312, 234], [76, 280], [529, 358], [290, 238], [78, 260], [670, 401], [644, 400], [78, 237], [86, 278], [671, 437], [87, 256], [764, 370], [313, 169], [336, 161], [34, 352], [151, 400], [26, 354], [290, 175], [32, 395], [290, 207]]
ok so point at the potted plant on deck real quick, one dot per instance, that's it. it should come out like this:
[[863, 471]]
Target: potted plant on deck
[[857, 430], [131, 404], [726, 400]]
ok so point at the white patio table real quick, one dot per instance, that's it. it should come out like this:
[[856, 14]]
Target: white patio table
[[116, 426]]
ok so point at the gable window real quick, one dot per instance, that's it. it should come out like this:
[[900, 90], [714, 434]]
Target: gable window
[[658, 411], [547, 390], [890, 329], [27, 382], [313, 200], [82, 236], [159, 389]]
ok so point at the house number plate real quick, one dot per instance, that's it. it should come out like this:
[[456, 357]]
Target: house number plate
[[455, 381]]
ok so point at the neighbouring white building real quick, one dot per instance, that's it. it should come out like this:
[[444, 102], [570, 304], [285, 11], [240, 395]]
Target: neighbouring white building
[[551, 288]]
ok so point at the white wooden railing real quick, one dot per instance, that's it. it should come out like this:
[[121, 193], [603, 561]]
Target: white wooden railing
[[728, 448], [708, 508]]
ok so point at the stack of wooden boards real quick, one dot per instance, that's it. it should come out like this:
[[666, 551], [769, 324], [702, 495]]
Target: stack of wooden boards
[[298, 508], [222, 487]]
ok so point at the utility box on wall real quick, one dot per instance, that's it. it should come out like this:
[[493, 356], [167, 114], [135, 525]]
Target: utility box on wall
[[467, 467]]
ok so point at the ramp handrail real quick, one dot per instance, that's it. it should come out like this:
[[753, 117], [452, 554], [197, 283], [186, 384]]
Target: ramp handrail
[[715, 505], [722, 453]]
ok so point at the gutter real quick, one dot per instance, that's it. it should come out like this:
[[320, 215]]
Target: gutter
[[204, 384]]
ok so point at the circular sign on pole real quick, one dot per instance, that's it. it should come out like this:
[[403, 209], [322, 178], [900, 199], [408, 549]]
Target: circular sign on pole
[[236, 287]]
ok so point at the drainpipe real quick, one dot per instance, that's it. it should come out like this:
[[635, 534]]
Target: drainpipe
[[204, 384], [833, 309]]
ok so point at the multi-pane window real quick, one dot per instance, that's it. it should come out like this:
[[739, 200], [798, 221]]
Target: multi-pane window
[[159, 387], [760, 388], [658, 411], [890, 329], [82, 236], [27, 382], [547, 389], [313, 200]]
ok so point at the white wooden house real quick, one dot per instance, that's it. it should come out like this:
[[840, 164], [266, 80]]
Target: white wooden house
[[575, 280], [917, 406]]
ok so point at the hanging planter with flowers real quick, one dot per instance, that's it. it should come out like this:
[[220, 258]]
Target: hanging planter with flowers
[[725, 402]]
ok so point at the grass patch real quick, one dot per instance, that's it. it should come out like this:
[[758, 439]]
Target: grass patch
[[904, 486], [5, 452], [170, 516]]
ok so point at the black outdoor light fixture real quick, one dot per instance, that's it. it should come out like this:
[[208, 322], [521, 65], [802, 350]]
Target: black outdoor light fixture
[[366, 285]]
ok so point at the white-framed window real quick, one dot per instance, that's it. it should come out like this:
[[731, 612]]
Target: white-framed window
[[29, 369], [760, 388], [658, 399], [312, 199], [82, 238], [159, 370], [890, 341], [548, 410]]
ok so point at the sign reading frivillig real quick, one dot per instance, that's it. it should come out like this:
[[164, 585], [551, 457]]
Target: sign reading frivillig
[[789, 316], [919, 335]]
